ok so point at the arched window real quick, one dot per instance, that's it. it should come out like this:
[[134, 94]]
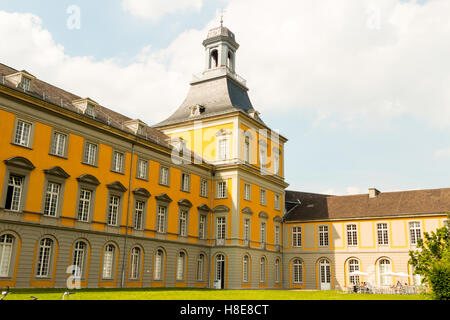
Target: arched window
[[108, 261], [214, 62], [45, 252], [200, 267], [78, 258], [384, 268], [230, 61], [159, 264], [6, 248], [297, 271], [245, 268], [262, 270], [353, 265], [220, 265], [135, 263], [247, 149], [181, 262], [277, 270]]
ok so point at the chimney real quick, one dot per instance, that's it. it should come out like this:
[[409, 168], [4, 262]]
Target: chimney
[[373, 193]]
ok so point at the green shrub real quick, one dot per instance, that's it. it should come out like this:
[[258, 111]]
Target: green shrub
[[439, 278]]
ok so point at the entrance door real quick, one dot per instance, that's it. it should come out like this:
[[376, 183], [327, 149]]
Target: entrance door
[[220, 270], [325, 275]]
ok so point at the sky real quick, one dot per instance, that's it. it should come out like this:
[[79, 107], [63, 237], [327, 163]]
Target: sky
[[359, 87]]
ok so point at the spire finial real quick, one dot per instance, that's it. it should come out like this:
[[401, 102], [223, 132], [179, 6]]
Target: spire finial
[[221, 17]]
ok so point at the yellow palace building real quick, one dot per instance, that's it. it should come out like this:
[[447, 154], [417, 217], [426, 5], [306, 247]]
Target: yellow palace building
[[198, 200]]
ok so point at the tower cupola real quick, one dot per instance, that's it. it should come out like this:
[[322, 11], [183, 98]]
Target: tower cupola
[[221, 47]]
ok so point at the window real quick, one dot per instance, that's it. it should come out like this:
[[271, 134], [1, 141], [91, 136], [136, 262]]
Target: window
[[382, 232], [6, 248], [204, 188], [276, 163], [323, 236], [222, 190], [262, 270], [161, 219], [78, 258], [135, 263], [352, 235], [221, 227], [247, 192], [296, 237], [263, 156], [245, 268], [139, 215], [263, 197], [247, 149], [385, 267], [277, 235], [415, 232], [183, 223], [353, 265], [185, 182], [14, 193], [164, 176], [202, 227], [108, 261], [43, 263], [59, 143], [84, 205], [277, 270], [23, 133], [118, 162], [200, 267], [158, 268], [113, 210], [222, 153], [51, 199], [142, 170], [26, 83], [90, 154], [247, 229], [90, 110], [297, 271], [181, 261], [263, 232], [277, 202]]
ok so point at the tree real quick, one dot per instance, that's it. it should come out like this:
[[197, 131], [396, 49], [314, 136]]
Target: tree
[[431, 260]]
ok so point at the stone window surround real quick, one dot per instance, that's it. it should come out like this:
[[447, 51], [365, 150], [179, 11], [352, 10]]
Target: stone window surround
[[66, 147], [147, 173], [162, 200], [114, 261], [118, 190], [59, 176], [86, 141], [87, 183], [32, 131], [87, 253], [184, 205], [141, 263], [21, 167], [51, 263], [113, 154], [141, 195]]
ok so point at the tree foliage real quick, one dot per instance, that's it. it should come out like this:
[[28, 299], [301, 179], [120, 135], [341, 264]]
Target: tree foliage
[[431, 260]]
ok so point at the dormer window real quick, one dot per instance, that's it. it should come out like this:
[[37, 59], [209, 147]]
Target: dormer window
[[137, 126], [90, 110], [197, 110], [141, 130], [26, 84]]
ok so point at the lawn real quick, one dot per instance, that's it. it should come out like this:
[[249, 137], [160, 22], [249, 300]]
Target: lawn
[[199, 294]]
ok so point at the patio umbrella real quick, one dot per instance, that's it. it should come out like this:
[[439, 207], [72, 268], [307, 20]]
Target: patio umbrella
[[397, 274]]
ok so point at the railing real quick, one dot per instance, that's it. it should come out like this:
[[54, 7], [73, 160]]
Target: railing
[[208, 74]]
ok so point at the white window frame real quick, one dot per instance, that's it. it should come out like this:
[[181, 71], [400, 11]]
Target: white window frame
[[164, 176], [161, 219], [246, 229], [245, 268], [16, 182], [135, 263], [277, 199], [263, 232], [200, 267], [113, 210], [118, 162], [262, 270], [324, 236], [353, 265], [415, 232], [22, 134], [204, 188], [202, 227], [297, 272], [247, 149], [185, 182], [108, 261], [90, 154], [384, 268], [159, 264], [352, 235], [142, 168], [223, 148], [382, 234], [84, 204], [222, 190], [277, 235], [221, 225], [139, 211], [79, 255], [183, 223], [43, 263], [247, 192], [181, 266], [59, 144], [263, 197], [6, 252], [277, 270], [297, 237], [51, 199]]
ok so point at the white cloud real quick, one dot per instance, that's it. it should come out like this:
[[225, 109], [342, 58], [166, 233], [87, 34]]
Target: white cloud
[[330, 57], [155, 9]]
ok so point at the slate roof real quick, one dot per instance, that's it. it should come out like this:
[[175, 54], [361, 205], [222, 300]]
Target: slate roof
[[62, 98], [218, 96], [323, 207]]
